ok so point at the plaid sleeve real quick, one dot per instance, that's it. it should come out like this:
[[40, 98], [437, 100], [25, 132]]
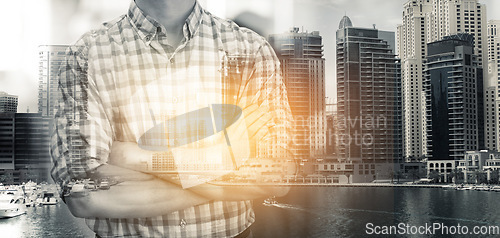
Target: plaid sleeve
[[82, 132]]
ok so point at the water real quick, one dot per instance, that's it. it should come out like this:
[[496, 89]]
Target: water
[[345, 211], [45, 221], [312, 212]]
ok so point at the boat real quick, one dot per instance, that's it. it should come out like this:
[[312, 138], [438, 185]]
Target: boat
[[495, 189], [90, 185], [460, 187], [12, 206], [270, 201], [450, 186], [464, 187], [30, 191], [104, 185], [79, 190], [49, 199], [482, 188], [30, 202]]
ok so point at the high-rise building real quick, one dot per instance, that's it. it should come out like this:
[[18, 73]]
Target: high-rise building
[[8, 103], [331, 125], [51, 57], [494, 41], [412, 37], [453, 82], [367, 95], [24, 147], [399, 115], [303, 67], [7, 125], [32, 144], [494, 72], [460, 16], [426, 21], [490, 116]]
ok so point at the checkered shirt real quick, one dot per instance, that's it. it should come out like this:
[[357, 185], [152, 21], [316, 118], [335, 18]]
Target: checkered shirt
[[119, 78]]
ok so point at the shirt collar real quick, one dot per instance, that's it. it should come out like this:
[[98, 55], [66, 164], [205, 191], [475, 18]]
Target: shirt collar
[[147, 27]]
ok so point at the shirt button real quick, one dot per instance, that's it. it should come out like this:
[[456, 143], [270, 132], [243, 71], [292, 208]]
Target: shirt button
[[183, 223], [172, 60], [148, 37]]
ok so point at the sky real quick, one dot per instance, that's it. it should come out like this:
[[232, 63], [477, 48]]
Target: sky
[[30, 23]]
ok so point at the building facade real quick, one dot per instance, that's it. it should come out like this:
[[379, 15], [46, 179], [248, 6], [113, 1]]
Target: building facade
[[494, 72], [8, 103], [399, 116], [367, 95], [24, 147], [491, 117], [303, 67], [479, 167], [338, 170], [450, 17], [453, 86], [441, 170], [32, 144], [426, 21], [412, 36], [51, 57], [7, 125]]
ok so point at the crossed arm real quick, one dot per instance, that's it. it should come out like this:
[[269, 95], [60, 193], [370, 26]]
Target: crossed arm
[[142, 195], [137, 195]]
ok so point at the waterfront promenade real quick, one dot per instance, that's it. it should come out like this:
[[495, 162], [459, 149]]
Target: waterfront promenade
[[323, 184], [363, 185]]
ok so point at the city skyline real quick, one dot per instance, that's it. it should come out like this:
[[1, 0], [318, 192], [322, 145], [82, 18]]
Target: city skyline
[[19, 68]]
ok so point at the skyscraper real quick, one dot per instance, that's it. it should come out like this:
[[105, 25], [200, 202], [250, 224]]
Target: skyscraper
[[460, 16], [7, 125], [367, 94], [494, 41], [8, 103], [494, 72], [32, 144], [490, 118], [303, 66], [24, 146], [412, 37], [51, 57], [426, 21], [452, 82]]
